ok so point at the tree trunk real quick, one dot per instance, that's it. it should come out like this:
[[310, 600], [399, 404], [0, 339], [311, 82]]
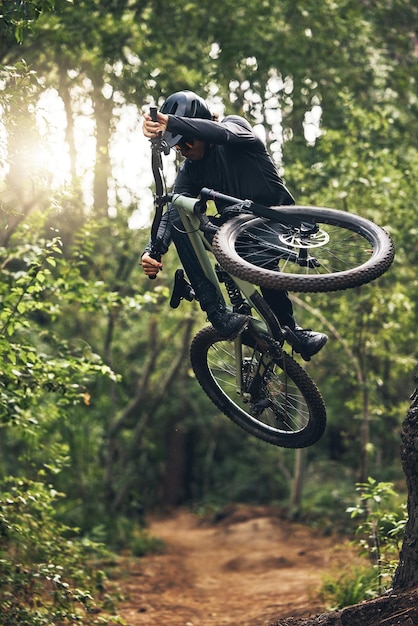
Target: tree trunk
[[176, 464], [64, 92], [406, 576], [298, 476], [103, 116]]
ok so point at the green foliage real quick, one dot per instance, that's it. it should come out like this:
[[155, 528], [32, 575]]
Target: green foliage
[[144, 543], [36, 364], [380, 520], [325, 499], [231, 466], [17, 17], [339, 590], [93, 398], [381, 527], [47, 574]]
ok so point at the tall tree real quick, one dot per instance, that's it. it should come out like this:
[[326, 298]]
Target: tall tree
[[406, 576]]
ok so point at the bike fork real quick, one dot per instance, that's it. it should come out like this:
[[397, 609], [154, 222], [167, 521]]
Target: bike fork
[[250, 392], [238, 361]]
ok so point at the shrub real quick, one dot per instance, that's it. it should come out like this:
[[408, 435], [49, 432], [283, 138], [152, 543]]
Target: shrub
[[381, 522], [349, 587], [46, 574]]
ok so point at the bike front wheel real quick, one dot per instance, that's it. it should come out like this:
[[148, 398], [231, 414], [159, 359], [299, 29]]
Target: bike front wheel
[[271, 398], [306, 249]]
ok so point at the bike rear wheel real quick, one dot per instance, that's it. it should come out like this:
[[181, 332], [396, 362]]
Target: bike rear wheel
[[282, 406], [324, 249]]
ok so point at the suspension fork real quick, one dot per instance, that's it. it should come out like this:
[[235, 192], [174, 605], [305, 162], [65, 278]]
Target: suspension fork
[[262, 366], [238, 361]]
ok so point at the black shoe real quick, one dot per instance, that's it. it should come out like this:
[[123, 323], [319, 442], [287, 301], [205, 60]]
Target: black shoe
[[304, 341], [228, 325]]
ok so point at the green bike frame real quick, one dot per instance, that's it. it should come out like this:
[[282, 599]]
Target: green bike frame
[[185, 206]]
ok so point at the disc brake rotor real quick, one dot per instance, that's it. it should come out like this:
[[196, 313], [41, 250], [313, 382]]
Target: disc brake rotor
[[296, 239]]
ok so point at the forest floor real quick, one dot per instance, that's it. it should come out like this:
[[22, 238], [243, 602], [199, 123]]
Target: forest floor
[[250, 567]]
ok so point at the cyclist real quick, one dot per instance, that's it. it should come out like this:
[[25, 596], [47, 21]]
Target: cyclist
[[229, 157]]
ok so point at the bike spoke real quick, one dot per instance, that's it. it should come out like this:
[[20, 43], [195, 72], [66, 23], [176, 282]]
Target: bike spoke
[[329, 250], [280, 404]]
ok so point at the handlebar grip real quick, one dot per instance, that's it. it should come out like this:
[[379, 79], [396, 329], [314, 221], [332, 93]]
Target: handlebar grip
[[217, 195], [157, 257], [153, 113]]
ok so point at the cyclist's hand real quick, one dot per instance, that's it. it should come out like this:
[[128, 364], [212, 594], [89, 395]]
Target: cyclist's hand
[[151, 129], [150, 266]]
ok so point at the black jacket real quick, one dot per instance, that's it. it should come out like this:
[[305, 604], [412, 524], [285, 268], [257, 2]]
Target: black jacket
[[236, 163]]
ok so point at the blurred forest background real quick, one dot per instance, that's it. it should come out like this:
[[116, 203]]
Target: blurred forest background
[[98, 401]]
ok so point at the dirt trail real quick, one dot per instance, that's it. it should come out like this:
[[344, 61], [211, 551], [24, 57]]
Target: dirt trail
[[252, 568]]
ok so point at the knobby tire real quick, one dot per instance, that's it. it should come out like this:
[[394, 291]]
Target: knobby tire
[[298, 418], [347, 251]]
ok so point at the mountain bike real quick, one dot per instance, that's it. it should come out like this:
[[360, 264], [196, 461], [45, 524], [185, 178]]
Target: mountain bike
[[252, 379]]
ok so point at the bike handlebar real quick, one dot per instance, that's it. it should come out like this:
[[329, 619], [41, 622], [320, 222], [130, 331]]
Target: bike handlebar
[[211, 194], [156, 164]]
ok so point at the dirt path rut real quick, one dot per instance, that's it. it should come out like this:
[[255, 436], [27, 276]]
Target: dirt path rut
[[252, 568]]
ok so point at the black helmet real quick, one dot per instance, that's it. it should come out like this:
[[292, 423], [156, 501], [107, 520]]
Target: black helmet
[[184, 104]]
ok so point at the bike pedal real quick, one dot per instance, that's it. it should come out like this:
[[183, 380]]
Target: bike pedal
[[181, 290]]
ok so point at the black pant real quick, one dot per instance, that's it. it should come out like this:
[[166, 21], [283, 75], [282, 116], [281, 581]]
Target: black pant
[[206, 292], [281, 304]]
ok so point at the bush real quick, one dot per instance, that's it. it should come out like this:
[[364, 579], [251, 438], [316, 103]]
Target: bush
[[350, 587], [46, 573], [380, 521]]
